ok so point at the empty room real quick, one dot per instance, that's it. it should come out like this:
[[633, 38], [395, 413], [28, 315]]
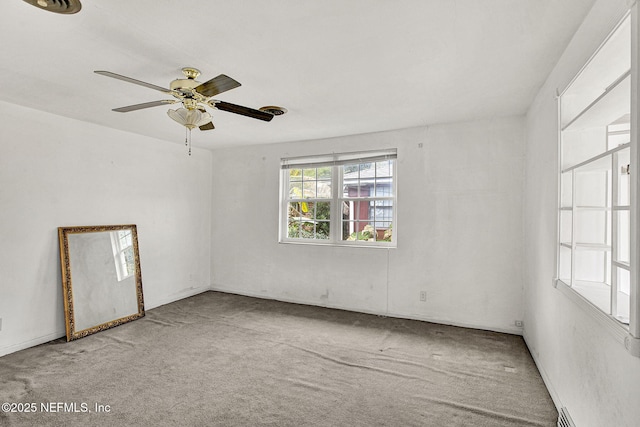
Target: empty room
[[337, 213]]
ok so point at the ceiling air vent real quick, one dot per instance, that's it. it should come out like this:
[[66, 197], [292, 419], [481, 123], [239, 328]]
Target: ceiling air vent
[[57, 6], [272, 109]]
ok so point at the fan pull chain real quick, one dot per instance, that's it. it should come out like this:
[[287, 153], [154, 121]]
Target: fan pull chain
[[187, 138]]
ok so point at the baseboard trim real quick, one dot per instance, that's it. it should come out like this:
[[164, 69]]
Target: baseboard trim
[[543, 373], [31, 343], [189, 292], [55, 335], [511, 331]]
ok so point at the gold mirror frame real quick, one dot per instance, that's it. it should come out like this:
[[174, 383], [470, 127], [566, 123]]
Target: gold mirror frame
[[67, 263]]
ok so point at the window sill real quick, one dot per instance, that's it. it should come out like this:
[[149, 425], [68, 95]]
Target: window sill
[[340, 245], [617, 330]]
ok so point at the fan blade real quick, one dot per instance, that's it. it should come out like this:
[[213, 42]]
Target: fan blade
[[134, 81], [216, 85], [207, 126], [245, 111], [144, 105]]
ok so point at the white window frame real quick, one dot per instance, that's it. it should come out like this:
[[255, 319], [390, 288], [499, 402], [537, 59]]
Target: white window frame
[[336, 161], [628, 335]]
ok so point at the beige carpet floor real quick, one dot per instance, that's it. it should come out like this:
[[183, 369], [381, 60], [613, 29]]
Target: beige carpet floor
[[218, 359]]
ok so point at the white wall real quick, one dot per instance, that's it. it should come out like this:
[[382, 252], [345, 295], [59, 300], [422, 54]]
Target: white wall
[[57, 172], [585, 368], [459, 228]]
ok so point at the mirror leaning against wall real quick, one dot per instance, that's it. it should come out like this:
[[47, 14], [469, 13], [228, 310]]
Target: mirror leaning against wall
[[101, 279]]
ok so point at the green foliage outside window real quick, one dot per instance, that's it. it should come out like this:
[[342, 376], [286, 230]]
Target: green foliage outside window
[[368, 233], [303, 222]]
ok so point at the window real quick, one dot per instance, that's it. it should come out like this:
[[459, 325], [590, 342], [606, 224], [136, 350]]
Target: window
[[347, 198], [595, 166]]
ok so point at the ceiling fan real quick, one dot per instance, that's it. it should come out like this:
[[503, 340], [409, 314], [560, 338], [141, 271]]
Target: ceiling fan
[[195, 97]]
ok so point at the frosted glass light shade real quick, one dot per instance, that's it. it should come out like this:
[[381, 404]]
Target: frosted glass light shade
[[189, 118]]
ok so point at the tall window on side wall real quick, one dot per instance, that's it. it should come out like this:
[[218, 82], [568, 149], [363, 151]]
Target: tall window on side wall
[[595, 170], [340, 199]]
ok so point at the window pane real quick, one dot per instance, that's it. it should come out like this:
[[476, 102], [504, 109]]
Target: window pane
[[302, 229], [582, 144], [357, 188], [590, 265], [294, 229], [324, 173], [305, 220], [357, 210], [309, 189], [382, 215], [324, 190], [624, 237], [351, 180], [323, 210], [367, 220], [295, 190], [298, 218], [624, 290], [566, 189], [383, 188], [323, 230], [358, 230], [566, 222], [368, 232], [591, 186], [307, 230], [384, 231], [619, 133], [591, 226], [351, 171], [368, 179], [384, 169], [564, 270], [624, 281], [295, 174], [624, 184], [367, 169]]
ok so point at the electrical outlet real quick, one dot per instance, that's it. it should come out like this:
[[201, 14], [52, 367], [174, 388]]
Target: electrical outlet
[[423, 296], [519, 323]]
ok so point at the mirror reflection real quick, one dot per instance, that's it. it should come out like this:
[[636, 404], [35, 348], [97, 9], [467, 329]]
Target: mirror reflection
[[100, 277]]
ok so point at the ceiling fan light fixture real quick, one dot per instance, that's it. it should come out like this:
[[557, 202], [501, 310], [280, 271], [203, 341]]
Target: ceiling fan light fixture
[[58, 6], [189, 118]]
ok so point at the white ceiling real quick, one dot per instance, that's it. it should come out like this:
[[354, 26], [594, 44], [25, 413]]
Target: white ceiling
[[340, 67]]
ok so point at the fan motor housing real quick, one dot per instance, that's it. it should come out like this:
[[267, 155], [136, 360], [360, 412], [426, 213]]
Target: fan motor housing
[[186, 85], [181, 84]]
